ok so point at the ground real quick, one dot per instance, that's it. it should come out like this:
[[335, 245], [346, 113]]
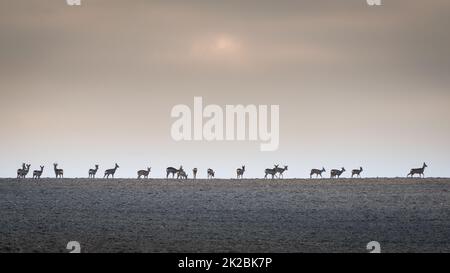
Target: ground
[[158, 215]]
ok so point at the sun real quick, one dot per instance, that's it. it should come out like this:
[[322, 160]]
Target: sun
[[224, 43], [218, 48]]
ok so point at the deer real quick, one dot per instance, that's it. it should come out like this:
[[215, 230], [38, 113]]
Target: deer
[[93, 172], [144, 173], [357, 172], [173, 171], [337, 173], [59, 173], [111, 172], [317, 172], [280, 171], [182, 174], [240, 172], [20, 171], [419, 171], [211, 173], [24, 172], [194, 172], [37, 173], [272, 172]]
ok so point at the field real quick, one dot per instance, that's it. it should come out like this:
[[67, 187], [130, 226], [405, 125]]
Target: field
[[157, 215]]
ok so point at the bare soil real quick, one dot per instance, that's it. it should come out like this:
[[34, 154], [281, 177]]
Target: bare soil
[[158, 215]]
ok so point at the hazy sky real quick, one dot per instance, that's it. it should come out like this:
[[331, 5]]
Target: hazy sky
[[357, 85]]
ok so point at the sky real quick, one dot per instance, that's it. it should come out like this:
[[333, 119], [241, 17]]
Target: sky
[[95, 84]]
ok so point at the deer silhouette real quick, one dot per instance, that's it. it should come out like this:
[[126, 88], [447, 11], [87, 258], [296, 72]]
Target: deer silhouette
[[38, 173], [93, 172], [144, 173], [111, 172], [173, 171], [182, 174], [337, 173], [317, 172], [22, 173], [59, 173], [280, 171], [272, 172], [211, 173], [240, 172], [357, 172], [419, 171], [194, 172]]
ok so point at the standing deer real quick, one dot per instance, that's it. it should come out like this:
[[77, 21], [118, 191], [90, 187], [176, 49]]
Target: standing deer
[[240, 172], [317, 172], [144, 173], [93, 172], [272, 172], [337, 173], [194, 172], [24, 172], [357, 172], [419, 171], [20, 171], [111, 172], [280, 171], [211, 173], [173, 171], [37, 174], [59, 173]]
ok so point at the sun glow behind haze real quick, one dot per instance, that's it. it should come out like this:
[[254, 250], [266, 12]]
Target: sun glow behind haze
[[218, 48]]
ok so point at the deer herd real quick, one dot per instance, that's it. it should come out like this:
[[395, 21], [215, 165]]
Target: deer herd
[[275, 172]]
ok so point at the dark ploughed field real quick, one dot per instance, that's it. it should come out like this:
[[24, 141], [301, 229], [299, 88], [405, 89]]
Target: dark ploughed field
[[157, 215]]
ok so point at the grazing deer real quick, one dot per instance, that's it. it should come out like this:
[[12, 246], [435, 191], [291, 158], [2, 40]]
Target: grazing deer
[[111, 172], [211, 173], [337, 173], [280, 171], [357, 172], [272, 172], [182, 174], [93, 172], [317, 172], [240, 172], [419, 171], [59, 173], [173, 171], [24, 172], [194, 172], [37, 174], [144, 173]]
